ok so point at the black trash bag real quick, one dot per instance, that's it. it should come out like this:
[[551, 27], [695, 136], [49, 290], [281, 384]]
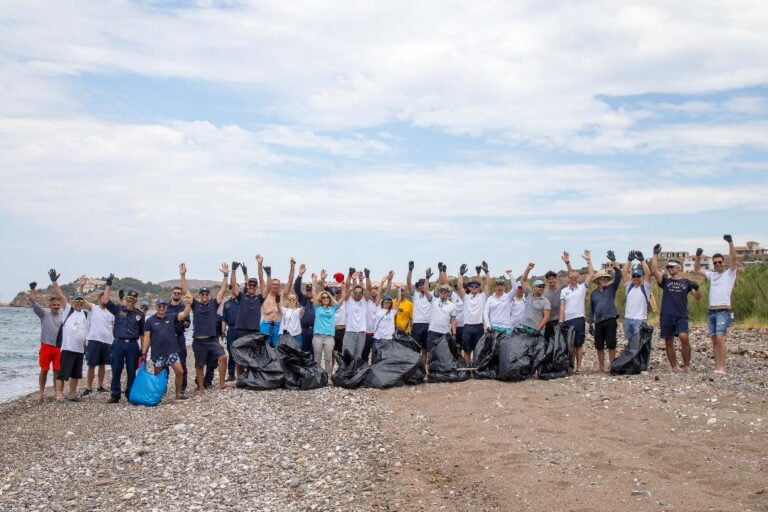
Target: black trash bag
[[393, 363], [301, 370], [350, 371], [261, 363], [485, 357], [558, 358], [637, 354], [520, 354], [445, 361], [418, 374]]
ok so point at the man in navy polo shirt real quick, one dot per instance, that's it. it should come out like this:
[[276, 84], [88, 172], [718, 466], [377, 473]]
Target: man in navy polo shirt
[[205, 342], [249, 303], [229, 314], [129, 326], [176, 306], [160, 336]]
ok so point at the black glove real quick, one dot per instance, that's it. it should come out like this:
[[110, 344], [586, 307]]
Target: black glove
[[109, 279], [121, 294], [478, 269], [351, 271], [410, 266], [484, 266], [611, 256], [235, 264], [728, 238], [53, 275], [657, 249], [33, 285], [429, 273], [694, 285], [268, 271], [367, 273], [639, 256], [699, 251], [244, 269], [631, 255], [463, 269]]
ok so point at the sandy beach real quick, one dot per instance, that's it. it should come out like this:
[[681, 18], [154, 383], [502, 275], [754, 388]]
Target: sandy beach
[[656, 441]]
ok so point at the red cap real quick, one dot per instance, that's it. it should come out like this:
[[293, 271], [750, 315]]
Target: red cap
[[339, 277]]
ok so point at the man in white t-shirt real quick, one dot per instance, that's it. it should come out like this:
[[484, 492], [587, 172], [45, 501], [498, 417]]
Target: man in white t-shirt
[[474, 304], [422, 307], [71, 338], [572, 308], [497, 314], [442, 318], [637, 285], [720, 314], [98, 349], [356, 309]]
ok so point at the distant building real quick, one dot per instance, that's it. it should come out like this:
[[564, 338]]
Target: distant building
[[673, 255], [91, 283], [751, 249], [689, 262]]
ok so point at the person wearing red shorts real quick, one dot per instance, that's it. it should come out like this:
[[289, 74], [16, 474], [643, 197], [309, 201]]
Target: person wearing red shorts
[[50, 323]]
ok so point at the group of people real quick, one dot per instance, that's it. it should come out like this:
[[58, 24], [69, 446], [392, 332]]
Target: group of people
[[351, 314]]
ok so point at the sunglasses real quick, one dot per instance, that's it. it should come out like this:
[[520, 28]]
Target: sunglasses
[[160, 306], [358, 293], [717, 262], [474, 285]]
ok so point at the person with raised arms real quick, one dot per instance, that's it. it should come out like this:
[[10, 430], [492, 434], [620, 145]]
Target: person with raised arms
[[552, 292], [290, 310], [205, 342], [99, 346], [324, 328], [673, 317], [176, 306], [356, 307], [638, 287], [497, 315], [422, 303], [572, 305], [474, 304], [537, 309], [383, 321], [229, 313], [49, 355], [307, 320], [719, 314], [129, 326], [160, 338], [250, 301], [603, 312], [442, 318], [270, 310]]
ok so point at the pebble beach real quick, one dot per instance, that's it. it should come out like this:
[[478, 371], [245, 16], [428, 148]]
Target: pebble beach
[[475, 445]]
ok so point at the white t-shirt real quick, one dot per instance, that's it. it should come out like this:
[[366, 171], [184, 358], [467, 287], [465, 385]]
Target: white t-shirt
[[459, 309], [102, 324], [356, 314], [341, 315], [370, 316], [720, 287], [497, 311], [421, 307], [474, 304], [441, 314], [636, 307], [517, 310], [291, 320], [384, 324], [574, 301], [74, 331]]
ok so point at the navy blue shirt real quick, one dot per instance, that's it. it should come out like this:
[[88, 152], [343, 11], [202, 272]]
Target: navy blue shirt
[[204, 318], [308, 317], [230, 310], [162, 334], [129, 325], [175, 309], [602, 305], [249, 312], [674, 302]]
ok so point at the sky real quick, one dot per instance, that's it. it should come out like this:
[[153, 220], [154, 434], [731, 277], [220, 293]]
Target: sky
[[138, 134]]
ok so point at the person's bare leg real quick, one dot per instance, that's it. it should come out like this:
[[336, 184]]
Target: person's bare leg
[[671, 356], [102, 372], [720, 350], [222, 372], [611, 355], [468, 358], [89, 377], [73, 388], [601, 361], [424, 360], [178, 375], [58, 385], [579, 356], [199, 375], [685, 348], [42, 380]]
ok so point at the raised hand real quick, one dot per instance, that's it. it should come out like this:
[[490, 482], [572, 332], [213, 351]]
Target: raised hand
[[121, 294], [33, 285], [259, 259], [302, 269], [293, 261], [728, 238], [463, 269], [631, 255], [109, 279], [699, 251], [429, 273], [235, 265], [611, 256], [323, 275], [566, 257], [244, 269], [224, 269], [360, 275], [530, 266], [440, 266], [351, 271], [268, 270], [639, 256], [478, 268], [410, 266], [587, 255], [314, 277], [391, 275], [367, 273], [182, 269], [657, 249], [187, 299], [53, 275], [484, 265]]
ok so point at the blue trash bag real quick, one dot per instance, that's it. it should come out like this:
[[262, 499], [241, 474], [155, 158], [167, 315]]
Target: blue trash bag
[[148, 389]]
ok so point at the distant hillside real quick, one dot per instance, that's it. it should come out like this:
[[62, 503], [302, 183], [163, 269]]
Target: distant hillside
[[194, 284]]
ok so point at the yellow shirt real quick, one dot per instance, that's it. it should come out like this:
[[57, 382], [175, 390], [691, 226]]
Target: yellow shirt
[[404, 315]]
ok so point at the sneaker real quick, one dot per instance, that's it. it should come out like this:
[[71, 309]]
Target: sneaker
[[101, 389], [87, 392], [76, 399], [183, 397], [113, 400]]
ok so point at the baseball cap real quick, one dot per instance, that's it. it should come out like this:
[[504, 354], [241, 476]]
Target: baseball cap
[[132, 293], [78, 297], [444, 287], [500, 281], [538, 282], [205, 289], [673, 263], [252, 280], [420, 282], [144, 303], [387, 297], [159, 302], [637, 272]]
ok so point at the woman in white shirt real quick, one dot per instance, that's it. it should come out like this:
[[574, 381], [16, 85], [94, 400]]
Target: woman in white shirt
[[384, 321], [290, 310]]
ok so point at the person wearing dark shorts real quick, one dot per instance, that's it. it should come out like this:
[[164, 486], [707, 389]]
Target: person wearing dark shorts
[[174, 307], [673, 317], [205, 342], [572, 310], [422, 303], [474, 305], [249, 302], [160, 338], [603, 312]]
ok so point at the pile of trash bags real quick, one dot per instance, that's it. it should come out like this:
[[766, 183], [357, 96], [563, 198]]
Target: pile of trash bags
[[636, 356], [395, 362], [285, 366], [558, 356], [445, 361]]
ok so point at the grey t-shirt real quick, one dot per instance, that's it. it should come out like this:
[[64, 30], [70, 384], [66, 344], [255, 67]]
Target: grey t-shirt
[[49, 324], [554, 300], [534, 310]]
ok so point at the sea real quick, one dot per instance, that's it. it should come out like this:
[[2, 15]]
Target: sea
[[19, 346]]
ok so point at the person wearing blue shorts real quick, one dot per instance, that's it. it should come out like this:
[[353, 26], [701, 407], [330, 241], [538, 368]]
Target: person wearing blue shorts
[[673, 317]]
